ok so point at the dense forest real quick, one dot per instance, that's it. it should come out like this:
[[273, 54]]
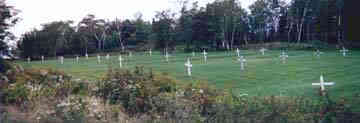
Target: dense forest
[[223, 24]]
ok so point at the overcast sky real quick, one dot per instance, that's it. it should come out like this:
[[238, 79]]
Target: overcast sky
[[36, 12]]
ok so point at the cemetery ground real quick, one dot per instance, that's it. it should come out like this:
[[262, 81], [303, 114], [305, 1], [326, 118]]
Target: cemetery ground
[[263, 75]]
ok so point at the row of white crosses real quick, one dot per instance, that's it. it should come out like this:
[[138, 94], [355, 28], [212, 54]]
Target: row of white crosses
[[283, 56], [61, 59], [262, 50], [343, 51], [99, 58], [108, 58]]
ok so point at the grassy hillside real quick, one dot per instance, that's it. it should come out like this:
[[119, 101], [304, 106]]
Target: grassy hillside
[[263, 75]]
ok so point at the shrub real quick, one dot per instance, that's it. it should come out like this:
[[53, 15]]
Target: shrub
[[72, 109], [33, 84], [133, 89]]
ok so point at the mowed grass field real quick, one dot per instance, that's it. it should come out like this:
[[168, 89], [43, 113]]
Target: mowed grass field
[[263, 75]]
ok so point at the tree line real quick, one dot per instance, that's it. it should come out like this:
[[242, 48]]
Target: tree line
[[221, 24]]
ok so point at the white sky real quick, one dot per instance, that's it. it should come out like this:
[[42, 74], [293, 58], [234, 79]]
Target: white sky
[[37, 12]]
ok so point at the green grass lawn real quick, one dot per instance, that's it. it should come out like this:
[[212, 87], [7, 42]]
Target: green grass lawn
[[263, 75]]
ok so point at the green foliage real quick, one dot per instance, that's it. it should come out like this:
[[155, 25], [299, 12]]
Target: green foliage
[[7, 20], [4, 65], [133, 89], [16, 94], [32, 84], [51, 40], [163, 29], [72, 110]]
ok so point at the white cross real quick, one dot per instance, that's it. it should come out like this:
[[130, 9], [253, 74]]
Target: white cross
[[107, 56], [189, 66], [120, 61], [238, 52], [61, 60], [42, 59], [344, 51], [242, 61], [262, 50], [283, 57], [318, 53], [323, 84], [86, 56], [205, 56], [28, 59], [150, 52], [77, 59], [99, 59], [193, 54], [167, 56]]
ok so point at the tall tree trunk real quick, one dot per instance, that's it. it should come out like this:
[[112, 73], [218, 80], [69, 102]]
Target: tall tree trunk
[[339, 30], [308, 32], [224, 32], [289, 32], [86, 44], [99, 41], [302, 21], [121, 42], [232, 37], [55, 48], [103, 40], [233, 26], [246, 39]]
